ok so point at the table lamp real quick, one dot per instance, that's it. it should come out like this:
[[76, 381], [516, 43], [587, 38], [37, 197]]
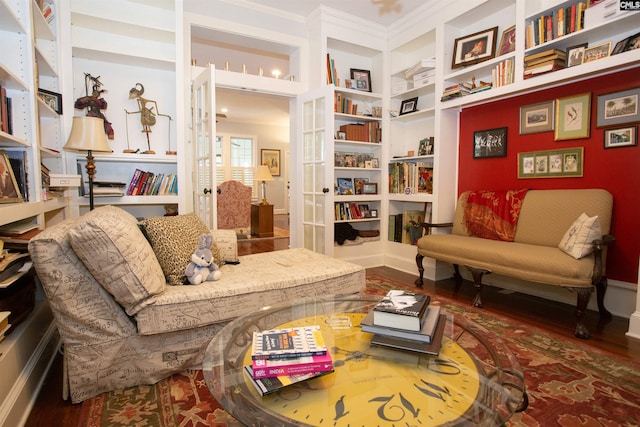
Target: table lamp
[[87, 134], [262, 175]]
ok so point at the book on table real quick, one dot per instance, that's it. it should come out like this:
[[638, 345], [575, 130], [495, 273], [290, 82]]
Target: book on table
[[425, 335], [266, 386], [265, 368], [401, 310], [432, 348], [288, 343]]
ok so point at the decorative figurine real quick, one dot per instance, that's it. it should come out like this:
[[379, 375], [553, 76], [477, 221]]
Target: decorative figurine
[[147, 115], [94, 102]]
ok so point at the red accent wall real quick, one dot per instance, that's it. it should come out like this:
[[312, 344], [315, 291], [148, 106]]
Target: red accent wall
[[615, 169]]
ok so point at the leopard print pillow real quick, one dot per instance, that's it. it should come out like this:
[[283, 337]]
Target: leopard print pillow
[[174, 239]]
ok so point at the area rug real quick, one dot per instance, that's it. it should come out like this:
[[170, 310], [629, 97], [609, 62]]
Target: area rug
[[568, 383]]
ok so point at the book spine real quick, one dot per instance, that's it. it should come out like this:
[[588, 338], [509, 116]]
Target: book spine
[[134, 182], [282, 356], [294, 369]]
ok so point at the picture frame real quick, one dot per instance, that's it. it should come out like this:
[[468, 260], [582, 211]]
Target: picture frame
[[573, 117], [596, 52], [409, 106], [52, 99], [370, 188], [345, 187], [575, 54], [271, 158], [358, 183], [618, 108], [364, 210], [373, 213], [490, 143], [620, 137], [633, 43], [9, 190], [536, 118], [341, 135], [362, 79], [563, 163], [474, 48], [375, 162], [507, 41]]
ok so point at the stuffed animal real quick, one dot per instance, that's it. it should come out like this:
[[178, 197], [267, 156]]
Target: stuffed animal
[[202, 267]]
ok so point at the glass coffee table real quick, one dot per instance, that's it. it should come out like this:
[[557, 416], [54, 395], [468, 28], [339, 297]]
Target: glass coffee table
[[474, 380]]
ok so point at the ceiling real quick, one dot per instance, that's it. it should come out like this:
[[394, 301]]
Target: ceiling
[[261, 108]]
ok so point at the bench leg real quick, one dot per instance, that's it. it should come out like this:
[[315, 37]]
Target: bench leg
[[584, 294], [477, 274], [419, 280], [601, 289]]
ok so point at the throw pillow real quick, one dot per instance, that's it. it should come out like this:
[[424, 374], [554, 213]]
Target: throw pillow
[[578, 240], [174, 239], [109, 243]]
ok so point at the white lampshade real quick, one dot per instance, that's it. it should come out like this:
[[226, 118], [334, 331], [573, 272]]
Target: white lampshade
[[262, 174], [87, 133]]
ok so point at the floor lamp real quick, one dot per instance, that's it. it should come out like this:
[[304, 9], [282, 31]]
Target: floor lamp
[[263, 175], [88, 135]]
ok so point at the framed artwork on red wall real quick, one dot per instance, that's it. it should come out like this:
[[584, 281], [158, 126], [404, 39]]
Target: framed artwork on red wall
[[618, 108], [573, 117], [551, 163], [490, 143], [537, 118]]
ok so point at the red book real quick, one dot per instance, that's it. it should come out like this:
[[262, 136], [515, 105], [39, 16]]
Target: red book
[[264, 368]]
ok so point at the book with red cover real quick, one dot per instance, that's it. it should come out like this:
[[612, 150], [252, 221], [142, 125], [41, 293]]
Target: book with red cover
[[263, 368]]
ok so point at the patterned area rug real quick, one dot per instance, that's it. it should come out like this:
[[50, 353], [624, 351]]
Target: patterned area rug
[[569, 384]]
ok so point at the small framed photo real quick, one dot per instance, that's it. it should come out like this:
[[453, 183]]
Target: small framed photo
[[362, 79], [596, 52], [341, 135], [370, 188], [633, 42], [409, 106], [271, 158], [375, 163], [618, 108], [364, 210], [345, 187], [573, 117], [358, 183], [537, 118], [575, 54], [490, 143], [373, 213], [52, 99], [474, 48], [507, 41], [9, 190], [621, 137]]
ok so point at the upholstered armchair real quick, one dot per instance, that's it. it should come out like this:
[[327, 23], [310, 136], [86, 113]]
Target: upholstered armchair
[[234, 207]]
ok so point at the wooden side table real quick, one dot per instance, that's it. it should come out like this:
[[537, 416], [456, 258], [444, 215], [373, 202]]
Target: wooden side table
[[262, 220]]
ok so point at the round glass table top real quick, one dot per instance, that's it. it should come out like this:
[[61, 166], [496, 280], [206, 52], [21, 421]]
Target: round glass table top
[[473, 380]]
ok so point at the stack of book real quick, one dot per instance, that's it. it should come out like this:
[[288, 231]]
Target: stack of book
[[4, 324], [281, 357], [109, 188], [457, 90], [544, 62], [406, 321]]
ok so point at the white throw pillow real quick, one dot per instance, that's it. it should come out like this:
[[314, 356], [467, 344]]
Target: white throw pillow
[[578, 240]]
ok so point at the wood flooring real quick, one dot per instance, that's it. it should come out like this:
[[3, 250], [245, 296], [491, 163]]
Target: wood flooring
[[51, 410]]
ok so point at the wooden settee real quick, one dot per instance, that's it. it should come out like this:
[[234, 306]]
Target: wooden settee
[[534, 254]]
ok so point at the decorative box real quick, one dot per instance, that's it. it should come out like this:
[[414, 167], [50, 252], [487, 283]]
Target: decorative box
[[596, 15], [59, 180]]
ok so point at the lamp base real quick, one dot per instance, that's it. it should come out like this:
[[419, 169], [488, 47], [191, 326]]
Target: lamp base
[[148, 152], [264, 202], [128, 151], [171, 153]]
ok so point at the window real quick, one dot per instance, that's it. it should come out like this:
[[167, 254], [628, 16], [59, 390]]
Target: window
[[236, 159]]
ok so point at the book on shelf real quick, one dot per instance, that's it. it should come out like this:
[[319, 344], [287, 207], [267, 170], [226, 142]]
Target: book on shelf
[[19, 242], [264, 368], [401, 310], [4, 324], [432, 348], [266, 386], [17, 227], [424, 335], [542, 69], [11, 263], [286, 343]]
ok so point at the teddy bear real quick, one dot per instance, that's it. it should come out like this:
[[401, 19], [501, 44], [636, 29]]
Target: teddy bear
[[202, 267]]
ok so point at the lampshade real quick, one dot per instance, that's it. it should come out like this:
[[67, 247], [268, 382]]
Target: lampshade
[[263, 174], [87, 133]]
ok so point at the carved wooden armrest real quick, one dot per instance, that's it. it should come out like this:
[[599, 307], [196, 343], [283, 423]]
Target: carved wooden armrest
[[428, 225], [598, 247]]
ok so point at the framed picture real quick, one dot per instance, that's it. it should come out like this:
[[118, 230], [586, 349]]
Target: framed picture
[[362, 79], [271, 158], [409, 106], [563, 163], [537, 118], [364, 210], [358, 183], [9, 190], [620, 46], [573, 117], [618, 108], [507, 41], [370, 188], [375, 163], [633, 42], [341, 135], [345, 186], [52, 99], [474, 48], [373, 213], [620, 137], [575, 54], [596, 52], [490, 143]]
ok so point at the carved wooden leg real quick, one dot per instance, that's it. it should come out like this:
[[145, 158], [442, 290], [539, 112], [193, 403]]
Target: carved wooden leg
[[419, 280], [584, 294], [601, 289], [477, 274], [456, 275]]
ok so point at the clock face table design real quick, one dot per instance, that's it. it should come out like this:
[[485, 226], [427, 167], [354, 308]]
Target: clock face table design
[[474, 380]]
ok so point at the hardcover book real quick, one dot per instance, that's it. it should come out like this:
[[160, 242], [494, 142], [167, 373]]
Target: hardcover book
[[288, 343], [401, 310], [424, 335], [264, 368], [432, 348], [266, 386]]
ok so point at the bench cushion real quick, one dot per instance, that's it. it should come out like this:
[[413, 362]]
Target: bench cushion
[[259, 280]]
